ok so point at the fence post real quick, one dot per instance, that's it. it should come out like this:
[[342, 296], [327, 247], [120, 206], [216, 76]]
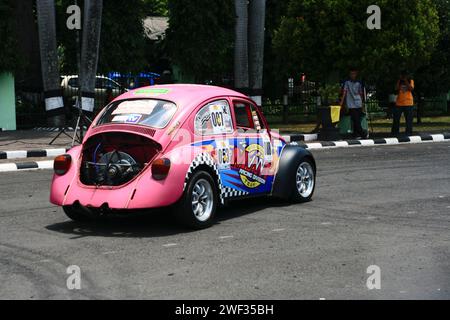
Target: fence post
[[420, 105], [285, 109]]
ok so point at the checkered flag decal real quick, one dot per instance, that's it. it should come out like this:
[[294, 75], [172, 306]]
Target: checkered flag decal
[[232, 193], [205, 158]]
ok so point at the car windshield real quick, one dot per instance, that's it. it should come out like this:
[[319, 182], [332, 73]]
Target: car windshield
[[149, 112]]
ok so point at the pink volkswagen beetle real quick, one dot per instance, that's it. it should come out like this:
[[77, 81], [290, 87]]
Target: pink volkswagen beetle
[[190, 147]]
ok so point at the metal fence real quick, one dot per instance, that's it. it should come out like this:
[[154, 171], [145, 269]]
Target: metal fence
[[302, 107], [307, 112]]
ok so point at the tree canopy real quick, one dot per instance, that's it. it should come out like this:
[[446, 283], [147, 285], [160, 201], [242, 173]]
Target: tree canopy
[[434, 77], [9, 61], [123, 44], [325, 37], [200, 37]]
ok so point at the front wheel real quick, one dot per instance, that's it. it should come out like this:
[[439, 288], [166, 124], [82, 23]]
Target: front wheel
[[198, 204], [305, 181]]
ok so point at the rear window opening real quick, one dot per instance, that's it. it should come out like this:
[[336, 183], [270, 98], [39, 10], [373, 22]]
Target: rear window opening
[[115, 158], [149, 112]]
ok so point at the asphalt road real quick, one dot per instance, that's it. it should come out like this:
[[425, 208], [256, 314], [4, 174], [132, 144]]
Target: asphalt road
[[387, 206]]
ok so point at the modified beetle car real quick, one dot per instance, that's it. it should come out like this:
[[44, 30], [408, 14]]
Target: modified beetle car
[[190, 147]]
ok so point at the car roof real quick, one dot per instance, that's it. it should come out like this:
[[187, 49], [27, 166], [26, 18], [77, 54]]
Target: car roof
[[181, 94], [76, 76]]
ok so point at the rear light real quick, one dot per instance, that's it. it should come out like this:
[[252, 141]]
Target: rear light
[[62, 164], [160, 168]]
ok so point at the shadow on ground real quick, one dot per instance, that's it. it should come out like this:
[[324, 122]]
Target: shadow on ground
[[156, 222]]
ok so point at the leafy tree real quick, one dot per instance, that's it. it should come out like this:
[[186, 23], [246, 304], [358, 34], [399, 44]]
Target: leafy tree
[[274, 80], [434, 78], [324, 37], [9, 62], [123, 44], [200, 37]]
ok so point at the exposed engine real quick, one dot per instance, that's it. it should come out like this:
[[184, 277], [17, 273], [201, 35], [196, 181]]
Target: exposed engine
[[113, 159]]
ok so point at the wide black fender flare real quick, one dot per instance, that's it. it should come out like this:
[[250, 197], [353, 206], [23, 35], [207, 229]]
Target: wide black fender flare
[[290, 158]]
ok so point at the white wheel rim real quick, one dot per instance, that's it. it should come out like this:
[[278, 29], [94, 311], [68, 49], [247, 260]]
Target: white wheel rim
[[202, 200], [305, 179]]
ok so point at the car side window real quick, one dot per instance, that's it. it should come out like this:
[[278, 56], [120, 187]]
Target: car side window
[[243, 115], [73, 82], [214, 118], [247, 117], [111, 84]]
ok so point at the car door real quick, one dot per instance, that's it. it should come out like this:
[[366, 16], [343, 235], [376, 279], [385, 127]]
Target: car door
[[253, 150], [213, 130]]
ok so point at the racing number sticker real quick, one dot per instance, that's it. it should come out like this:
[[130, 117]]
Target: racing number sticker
[[214, 118], [224, 154], [220, 118]]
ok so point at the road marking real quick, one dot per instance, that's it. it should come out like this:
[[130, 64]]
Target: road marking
[[415, 139], [55, 152], [4, 167], [169, 245], [278, 230], [367, 142], [341, 144], [438, 137], [315, 145], [16, 154], [391, 140], [45, 164], [225, 237]]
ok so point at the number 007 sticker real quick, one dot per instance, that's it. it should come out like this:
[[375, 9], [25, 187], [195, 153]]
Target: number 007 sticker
[[220, 119]]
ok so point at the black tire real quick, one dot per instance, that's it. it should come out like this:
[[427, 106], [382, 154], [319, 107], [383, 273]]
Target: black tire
[[297, 195], [184, 211], [76, 214]]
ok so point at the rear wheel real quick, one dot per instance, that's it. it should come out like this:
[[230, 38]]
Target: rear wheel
[[197, 207], [305, 181]]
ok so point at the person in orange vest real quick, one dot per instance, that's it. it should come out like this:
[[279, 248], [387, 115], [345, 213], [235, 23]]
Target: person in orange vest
[[404, 104]]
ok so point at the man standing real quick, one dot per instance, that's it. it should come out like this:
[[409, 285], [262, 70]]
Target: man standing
[[353, 98], [404, 104]]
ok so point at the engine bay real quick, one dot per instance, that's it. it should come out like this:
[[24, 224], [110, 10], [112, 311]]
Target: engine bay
[[115, 158]]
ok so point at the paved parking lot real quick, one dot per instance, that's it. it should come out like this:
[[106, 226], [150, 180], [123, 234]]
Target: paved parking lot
[[387, 206]]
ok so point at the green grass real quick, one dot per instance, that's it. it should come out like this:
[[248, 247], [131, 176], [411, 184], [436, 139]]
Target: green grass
[[429, 124]]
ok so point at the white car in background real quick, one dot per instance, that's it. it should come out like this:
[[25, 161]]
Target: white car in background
[[70, 85]]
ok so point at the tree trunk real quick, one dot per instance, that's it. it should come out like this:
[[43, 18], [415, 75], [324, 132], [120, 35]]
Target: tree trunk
[[54, 105], [241, 81], [92, 20], [30, 77], [257, 14]]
